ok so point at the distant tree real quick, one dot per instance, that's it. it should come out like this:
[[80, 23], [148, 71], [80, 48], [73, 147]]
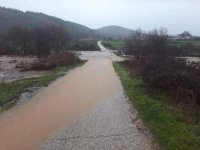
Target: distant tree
[[153, 42], [185, 34], [39, 41], [135, 45], [156, 41], [19, 39], [49, 38]]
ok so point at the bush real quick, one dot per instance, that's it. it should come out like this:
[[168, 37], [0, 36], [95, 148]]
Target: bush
[[162, 71], [174, 76], [50, 62]]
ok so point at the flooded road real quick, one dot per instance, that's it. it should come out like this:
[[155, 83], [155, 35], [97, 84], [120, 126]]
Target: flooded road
[[25, 127], [28, 126]]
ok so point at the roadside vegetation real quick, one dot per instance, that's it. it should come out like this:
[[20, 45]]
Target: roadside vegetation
[[10, 92], [164, 87], [175, 125], [162, 70], [49, 62]]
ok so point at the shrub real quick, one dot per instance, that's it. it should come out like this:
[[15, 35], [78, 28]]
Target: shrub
[[50, 62], [160, 70], [175, 76]]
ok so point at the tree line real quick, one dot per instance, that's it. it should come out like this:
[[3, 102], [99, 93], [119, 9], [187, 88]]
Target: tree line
[[37, 41], [146, 43]]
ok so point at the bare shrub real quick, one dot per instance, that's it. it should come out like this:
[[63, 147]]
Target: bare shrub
[[162, 71], [51, 61], [175, 76]]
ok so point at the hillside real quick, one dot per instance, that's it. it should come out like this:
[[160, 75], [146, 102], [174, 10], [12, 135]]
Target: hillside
[[13, 17], [114, 32]]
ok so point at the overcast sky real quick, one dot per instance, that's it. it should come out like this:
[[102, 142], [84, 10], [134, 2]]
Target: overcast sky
[[176, 15]]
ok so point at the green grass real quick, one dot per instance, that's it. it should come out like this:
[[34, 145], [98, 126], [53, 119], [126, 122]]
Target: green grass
[[116, 44], [171, 132], [185, 42], [10, 92]]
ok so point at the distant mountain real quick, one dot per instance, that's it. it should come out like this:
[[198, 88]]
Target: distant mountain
[[114, 32], [13, 17]]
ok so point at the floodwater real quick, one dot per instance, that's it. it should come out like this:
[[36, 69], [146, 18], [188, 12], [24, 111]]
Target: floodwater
[[104, 53], [9, 72], [26, 126]]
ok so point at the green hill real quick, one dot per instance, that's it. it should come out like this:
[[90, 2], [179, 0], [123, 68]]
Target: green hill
[[114, 32], [13, 17]]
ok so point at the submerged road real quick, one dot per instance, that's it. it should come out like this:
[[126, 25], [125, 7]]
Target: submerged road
[[86, 109]]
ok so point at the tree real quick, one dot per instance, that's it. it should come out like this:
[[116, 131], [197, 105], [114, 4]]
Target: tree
[[135, 45], [49, 38], [18, 39], [153, 42]]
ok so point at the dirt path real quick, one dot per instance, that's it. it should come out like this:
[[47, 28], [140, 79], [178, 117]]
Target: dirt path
[[27, 126]]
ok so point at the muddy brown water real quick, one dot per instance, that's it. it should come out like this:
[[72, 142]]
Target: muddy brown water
[[25, 127]]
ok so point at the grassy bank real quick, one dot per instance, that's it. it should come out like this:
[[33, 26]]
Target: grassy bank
[[10, 92], [173, 132]]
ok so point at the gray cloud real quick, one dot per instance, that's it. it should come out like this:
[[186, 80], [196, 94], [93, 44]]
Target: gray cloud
[[176, 15]]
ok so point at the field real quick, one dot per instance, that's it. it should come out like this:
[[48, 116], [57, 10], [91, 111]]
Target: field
[[196, 43], [116, 44]]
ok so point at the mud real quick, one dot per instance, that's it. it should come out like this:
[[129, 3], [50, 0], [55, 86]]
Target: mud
[[9, 71]]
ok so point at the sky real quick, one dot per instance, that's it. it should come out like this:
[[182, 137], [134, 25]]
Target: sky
[[175, 15]]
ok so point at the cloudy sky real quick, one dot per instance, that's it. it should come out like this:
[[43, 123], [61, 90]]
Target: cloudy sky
[[176, 15]]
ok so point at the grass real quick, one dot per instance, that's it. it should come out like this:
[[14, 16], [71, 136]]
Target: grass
[[172, 132], [116, 44], [179, 43], [10, 92]]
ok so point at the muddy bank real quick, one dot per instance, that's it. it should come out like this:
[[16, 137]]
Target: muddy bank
[[9, 70]]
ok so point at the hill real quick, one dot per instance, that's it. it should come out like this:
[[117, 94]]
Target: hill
[[114, 32], [13, 17]]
